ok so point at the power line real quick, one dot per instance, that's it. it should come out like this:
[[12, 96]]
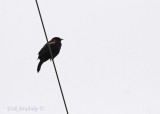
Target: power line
[[52, 58]]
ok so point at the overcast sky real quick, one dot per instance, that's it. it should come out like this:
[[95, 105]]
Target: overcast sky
[[109, 61]]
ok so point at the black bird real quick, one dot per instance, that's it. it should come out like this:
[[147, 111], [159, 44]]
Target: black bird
[[44, 53]]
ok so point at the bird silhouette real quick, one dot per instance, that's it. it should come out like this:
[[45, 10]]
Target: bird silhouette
[[44, 53]]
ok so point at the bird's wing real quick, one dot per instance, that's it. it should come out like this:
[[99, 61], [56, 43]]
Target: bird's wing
[[45, 48]]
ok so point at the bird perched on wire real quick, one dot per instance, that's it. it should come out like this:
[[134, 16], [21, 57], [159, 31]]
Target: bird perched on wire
[[44, 53]]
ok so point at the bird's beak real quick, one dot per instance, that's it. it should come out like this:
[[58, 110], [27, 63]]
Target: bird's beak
[[61, 39]]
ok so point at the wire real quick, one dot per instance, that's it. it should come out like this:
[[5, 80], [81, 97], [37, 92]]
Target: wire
[[52, 58]]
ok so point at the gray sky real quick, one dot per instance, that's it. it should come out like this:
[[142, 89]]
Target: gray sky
[[109, 62]]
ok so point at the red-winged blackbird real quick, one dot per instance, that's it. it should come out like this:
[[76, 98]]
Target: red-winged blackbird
[[44, 53]]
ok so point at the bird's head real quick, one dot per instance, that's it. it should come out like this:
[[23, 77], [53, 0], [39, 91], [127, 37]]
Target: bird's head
[[56, 39]]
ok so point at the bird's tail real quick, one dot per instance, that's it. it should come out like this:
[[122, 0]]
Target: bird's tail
[[39, 65]]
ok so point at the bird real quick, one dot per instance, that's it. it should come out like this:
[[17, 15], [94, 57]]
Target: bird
[[44, 53]]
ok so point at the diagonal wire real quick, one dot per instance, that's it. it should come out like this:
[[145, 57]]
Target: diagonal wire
[[52, 58]]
